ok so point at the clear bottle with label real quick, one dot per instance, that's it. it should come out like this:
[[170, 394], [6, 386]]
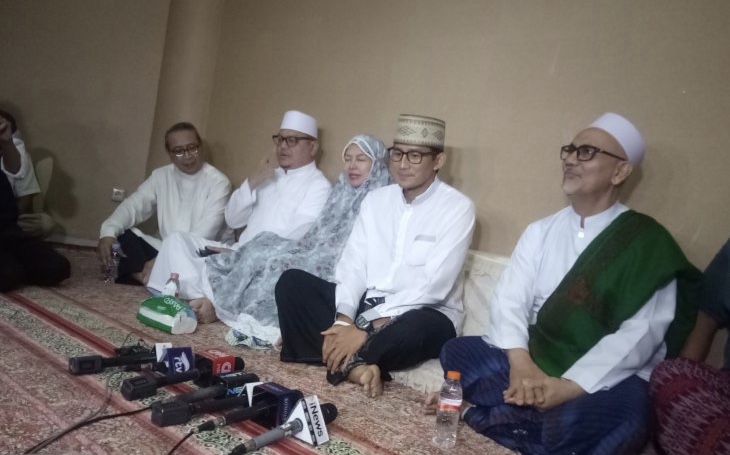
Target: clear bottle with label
[[112, 271], [172, 287], [447, 416]]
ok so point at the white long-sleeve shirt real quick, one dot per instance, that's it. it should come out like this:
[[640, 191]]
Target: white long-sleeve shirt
[[23, 182], [183, 202], [410, 254], [543, 256], [289, 203]]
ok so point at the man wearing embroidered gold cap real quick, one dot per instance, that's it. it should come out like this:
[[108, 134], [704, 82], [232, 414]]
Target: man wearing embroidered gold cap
[[397, 295], [594, 297]]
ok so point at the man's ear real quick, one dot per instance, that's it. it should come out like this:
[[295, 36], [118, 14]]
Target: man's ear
[[440, 160], [315, 148], [622, 172]]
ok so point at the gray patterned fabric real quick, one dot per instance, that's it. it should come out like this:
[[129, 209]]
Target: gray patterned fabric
[[243, 281]]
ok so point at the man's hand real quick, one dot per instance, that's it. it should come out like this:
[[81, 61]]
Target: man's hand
[[340, 343], [265, 171], [104, 249], [558, 391], [526, 380], [8, 152]]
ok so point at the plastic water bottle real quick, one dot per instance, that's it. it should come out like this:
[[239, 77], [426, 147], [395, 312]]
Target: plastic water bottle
[[172, 287], [112, 272], [447, 417]]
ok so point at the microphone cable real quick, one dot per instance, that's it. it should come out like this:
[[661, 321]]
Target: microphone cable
[[91, 418], [180, 442]]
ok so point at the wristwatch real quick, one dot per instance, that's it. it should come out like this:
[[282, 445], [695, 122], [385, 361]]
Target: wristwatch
[[362, 323]]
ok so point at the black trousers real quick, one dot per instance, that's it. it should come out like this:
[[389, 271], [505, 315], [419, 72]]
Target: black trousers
[[136, 254], [28, 260], [306, 306]]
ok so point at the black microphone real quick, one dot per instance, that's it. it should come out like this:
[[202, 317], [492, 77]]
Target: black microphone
[[180, 412], [271, 404], [144, 386], [225, 384], [91, 364], [329, 412]]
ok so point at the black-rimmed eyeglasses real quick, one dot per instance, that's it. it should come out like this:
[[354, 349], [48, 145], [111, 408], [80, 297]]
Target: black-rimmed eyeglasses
[[291, 141], [584, 152], [190, 149], [413, 156]]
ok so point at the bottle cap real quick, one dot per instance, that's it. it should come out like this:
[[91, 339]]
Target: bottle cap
[[454, 375]]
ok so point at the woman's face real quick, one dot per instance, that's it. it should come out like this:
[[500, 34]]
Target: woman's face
[[357, 165]]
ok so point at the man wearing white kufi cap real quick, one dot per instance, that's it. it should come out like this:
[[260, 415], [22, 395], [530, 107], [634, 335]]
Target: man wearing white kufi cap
[[397, 295], [284, 196], [594, 297]]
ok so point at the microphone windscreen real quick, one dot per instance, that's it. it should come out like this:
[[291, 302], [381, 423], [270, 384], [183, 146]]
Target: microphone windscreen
[[329, 411]]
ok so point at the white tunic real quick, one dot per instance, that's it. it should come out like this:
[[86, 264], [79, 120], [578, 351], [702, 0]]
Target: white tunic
[[544, 254], [23, 182], [410, 254], [288, 204], [187, 203]]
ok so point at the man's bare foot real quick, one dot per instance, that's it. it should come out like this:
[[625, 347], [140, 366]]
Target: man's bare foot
[[431, 403], [204, 310], [368, 376]]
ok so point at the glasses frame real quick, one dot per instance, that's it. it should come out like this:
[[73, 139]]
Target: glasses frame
[[290, 141], [409, 155], [588, 150], [190, 149]]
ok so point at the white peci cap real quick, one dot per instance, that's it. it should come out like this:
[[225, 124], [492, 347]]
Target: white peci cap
[[625, 134], [299, 121]]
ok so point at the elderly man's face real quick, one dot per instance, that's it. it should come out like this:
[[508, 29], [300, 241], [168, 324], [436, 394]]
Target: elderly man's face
[[185, 151], [298, 155], [597, 177], [413, 178]]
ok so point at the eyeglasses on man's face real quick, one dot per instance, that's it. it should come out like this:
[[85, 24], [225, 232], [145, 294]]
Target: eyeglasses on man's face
[[413, 156], [291, 141], [584, 152], [190, 149]]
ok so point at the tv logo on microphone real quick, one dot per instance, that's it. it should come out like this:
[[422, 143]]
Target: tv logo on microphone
[[179, 360]]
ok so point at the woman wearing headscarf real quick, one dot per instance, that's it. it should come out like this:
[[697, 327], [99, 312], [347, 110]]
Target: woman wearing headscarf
[[243, 282]]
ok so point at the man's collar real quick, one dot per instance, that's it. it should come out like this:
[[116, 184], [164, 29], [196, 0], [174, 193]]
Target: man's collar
[[426, 194], [300, 170]]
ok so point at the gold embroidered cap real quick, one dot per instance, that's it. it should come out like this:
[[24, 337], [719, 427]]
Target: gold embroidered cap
[[420, 130]]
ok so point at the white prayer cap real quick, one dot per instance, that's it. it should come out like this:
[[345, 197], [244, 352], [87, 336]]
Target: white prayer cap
[[625, 134], [299, 121], [420, 130]]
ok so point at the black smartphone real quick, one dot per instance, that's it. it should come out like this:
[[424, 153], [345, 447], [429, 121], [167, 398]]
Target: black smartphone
[[203, 252]]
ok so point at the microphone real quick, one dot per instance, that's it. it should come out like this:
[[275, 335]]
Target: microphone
[[225, 384], [269, 405], [306, 413], [144, 386], [91, 364], [180, 412]]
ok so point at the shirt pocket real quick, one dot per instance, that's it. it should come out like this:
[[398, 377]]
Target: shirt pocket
[[420, 249]]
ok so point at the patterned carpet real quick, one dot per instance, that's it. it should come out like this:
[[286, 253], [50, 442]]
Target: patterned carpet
[[41, 327]]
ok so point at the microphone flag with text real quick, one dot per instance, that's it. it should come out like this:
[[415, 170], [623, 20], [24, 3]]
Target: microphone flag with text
[[307, 422]]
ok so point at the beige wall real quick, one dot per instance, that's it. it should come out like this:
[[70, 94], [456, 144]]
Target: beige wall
[[513, 80], [82, 78]]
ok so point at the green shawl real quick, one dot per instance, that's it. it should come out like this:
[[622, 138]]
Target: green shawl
[[610, 281]]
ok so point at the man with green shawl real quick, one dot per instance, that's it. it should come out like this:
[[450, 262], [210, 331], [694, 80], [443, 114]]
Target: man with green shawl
[[594, 297]]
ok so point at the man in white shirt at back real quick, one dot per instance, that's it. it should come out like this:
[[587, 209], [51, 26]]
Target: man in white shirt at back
[[284, 196], [188, 195]]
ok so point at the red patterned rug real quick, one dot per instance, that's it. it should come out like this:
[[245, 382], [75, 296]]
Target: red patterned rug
[[40, 328]]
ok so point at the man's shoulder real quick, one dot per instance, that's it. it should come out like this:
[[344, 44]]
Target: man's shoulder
[[213, 173], [452, 195]]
